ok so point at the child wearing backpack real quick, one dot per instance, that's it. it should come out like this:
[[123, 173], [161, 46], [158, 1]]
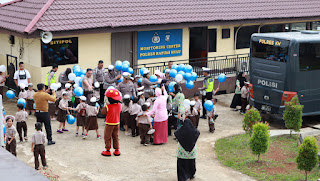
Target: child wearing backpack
[[81, 114]]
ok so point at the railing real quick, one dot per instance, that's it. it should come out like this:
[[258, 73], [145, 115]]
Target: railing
[[229, 64]]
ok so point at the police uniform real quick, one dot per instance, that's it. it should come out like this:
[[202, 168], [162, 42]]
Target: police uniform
[[63, 79], [99, 76], [87, 93], [110, 80], [208, 84], [50, 76], [127, 88]]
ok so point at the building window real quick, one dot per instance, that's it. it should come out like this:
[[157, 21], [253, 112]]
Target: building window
[[298, 26], [309, 56], [272, 28], [212, 40], [60, 51], [244, 36]]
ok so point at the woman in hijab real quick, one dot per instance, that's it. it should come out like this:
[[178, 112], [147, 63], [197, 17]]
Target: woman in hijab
[[236, 101], [161, 116], [178, 102], [187, 136]]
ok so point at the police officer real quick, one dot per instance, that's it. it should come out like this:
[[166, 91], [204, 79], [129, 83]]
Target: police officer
[[63, 78], [98, 76], [51, 76], [207, 89], [111, 77], [127, 87]]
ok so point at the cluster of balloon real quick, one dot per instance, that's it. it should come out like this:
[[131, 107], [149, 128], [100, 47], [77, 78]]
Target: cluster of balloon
[[124, 67], [208, 105], [180, 72], [70, 119], [55, 86]]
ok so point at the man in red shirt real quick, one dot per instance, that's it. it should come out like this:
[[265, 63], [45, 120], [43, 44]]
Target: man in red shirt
[[111, 130]]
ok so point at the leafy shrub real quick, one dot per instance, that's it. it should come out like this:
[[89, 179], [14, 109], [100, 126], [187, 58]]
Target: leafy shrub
[[293, 115], [250, 118], [307, 157], [259, 142]]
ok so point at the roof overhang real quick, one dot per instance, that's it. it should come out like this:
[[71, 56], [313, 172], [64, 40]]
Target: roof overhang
[[36, 34]]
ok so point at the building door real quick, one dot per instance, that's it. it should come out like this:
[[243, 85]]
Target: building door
[[198, 48], [122, 47]]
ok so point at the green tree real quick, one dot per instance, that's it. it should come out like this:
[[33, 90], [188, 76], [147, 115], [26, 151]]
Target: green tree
[[259, 142], [293, 115], [250, 118], [307, 157]]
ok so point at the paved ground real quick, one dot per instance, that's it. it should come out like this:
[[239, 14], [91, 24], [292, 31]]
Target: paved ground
[[75, 159]]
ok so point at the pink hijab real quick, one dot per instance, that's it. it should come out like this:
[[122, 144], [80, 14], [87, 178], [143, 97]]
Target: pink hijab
[[160, 106]]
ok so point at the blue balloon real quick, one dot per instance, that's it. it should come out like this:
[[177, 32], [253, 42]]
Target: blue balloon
[[171, 86], [130, 70], [142, 70], [194, 76], [45, 48], [126, 62], [22, 101], [75, 67], [181, 72], [10, 94], [181, 67], [208, 105], [97, 106], [173, 73], [188, 76], [82, 76], [188, 69], [153, 78], [80, 82], [140, 80], [125, 67], [189, 84], [62, 50], [58, 59], [78, 91], [118, 65], [55, 56], [222, 78], [77, 71], [83, 72], [174, 66], [71, 119], [34, 105], [4, 128], [50, 51], [120, 80]]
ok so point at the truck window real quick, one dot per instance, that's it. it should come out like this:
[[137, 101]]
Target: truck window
[[263, 49], [309, 56]]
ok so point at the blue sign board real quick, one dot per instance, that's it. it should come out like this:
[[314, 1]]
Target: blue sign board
[[160, 43]]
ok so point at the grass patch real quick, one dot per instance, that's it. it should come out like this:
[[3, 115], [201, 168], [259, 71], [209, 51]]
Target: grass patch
[[277, 164]]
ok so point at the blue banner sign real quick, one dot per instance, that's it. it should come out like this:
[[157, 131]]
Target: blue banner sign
[[160, 43]]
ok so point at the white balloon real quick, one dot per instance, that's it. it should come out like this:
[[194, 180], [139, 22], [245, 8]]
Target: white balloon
[[3, 68], [72, 76], [186, 103], [59, 85], [54, 86], [96, 85], [77, 79], [179, 78], [75, 85], [22, 85]]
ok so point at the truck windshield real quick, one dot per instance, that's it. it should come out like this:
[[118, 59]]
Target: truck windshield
[[270, 49], [309, 56]]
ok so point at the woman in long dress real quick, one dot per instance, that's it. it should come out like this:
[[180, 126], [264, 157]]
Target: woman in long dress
[[161, 117], [236, 101]]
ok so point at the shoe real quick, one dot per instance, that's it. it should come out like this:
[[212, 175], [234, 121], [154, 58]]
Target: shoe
[[85, 136], [146, 144], [122, 129], [53, 119], [133, 135], [20, 141], [64, 129], [127, 134], [26, 139], [30, 113], [59, 131], [51, 142], [203, 117], [106, 153], [235, 109], [116, 152], [37, 168], [82, 134], [77, 134], [98, 137], [46, 166], [242, 113]]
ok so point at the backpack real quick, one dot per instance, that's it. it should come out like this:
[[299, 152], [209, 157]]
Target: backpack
[[83, 111]]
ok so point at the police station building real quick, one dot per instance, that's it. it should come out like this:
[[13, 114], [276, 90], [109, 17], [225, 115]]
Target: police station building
[[146, 33]]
